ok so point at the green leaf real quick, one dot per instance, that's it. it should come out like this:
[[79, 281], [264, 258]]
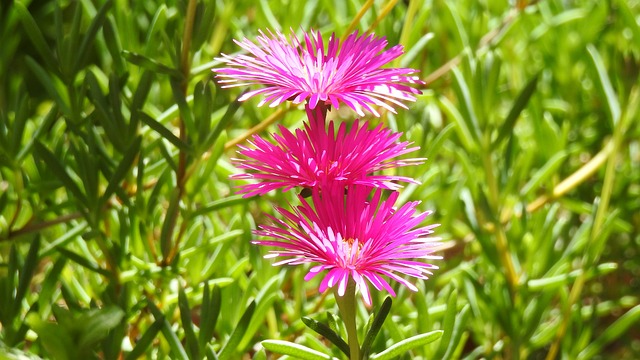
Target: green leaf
[[103, 112], [57, 342], [448, 324], [544, 173], [264, 300], [158, 23], [26, 274], [121, 171], [139, 99], [436, 144], [66, 45], [376, 325], [145, 341], [186, 114], [35, 35], [622, 6], [416, 49], [292, 349], [519, 105], [174, 343], [18, 126], [221, 204], [60, 172], [150, 64], [457, 332], [230, 347], [604, 85], [46, 124], [407, 345], [467, 109], [612, 333], [9, 313], [187, 325], [203, 108], [47, 82], [327, 332], [211, 301], [168, 225], [97, 324], [114, 46], [90, 35], [463, 131], [223, 123], [69, 235], [260, 355], [84, 262], [164, 132], [50, 284]]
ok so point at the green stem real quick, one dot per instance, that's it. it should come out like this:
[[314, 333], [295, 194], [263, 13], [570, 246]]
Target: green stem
[[347, 307]]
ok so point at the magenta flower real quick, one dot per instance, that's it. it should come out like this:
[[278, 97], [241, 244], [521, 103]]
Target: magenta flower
[[355, 237], [316, 156], [348, 73]]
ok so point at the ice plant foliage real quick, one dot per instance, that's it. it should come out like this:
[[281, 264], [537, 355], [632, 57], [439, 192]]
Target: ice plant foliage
[[317, 156], [349, 73], [352, 236]]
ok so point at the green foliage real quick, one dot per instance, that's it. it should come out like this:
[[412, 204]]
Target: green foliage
[[121, 236]]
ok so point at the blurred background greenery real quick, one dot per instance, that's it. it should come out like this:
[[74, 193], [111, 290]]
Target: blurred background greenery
[[121, 236]]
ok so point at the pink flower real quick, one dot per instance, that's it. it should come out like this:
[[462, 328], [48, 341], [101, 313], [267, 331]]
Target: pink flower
[[365, 239], [348, 73], [316, 156]]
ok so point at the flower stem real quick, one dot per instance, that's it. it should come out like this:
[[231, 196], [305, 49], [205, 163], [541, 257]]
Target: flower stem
[[347, 307]]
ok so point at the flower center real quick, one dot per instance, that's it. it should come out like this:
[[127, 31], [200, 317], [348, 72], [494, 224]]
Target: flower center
[[351, 251]]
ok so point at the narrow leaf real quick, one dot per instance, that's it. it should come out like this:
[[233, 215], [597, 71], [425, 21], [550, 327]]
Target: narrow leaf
[[145, 341], [84, 262], [407, 345], [604, 85], [139, 98], [98, 325], [59, 171], [544, 173], [150, 64], [464, 97], [613, 332], [121, 171], [292, 349], [35, 35], [186, 114], [211, 301], [463, 131], [163, 131], [223, 123], [220, 204], [26, 274], [456, 333], [519, 105], [170, 219], [47, 82], [230, 347], [114, 46], [326, 331], [187, 325], [90, 35], [174, 343], [447, 324], [378, 321]]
